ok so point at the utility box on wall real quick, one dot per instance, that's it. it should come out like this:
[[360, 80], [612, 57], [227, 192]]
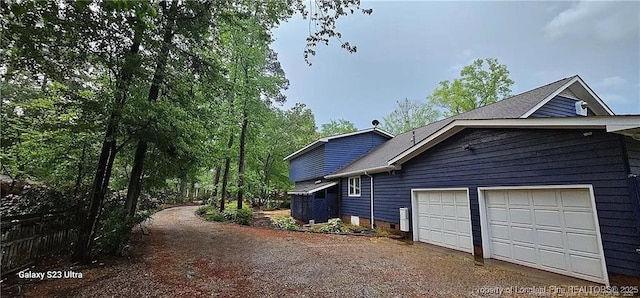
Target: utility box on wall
[[404, 219]]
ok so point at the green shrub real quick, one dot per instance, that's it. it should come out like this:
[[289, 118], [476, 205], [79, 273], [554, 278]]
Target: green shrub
[[334, 225], [244, 216], [215, 216], [204, 210], [115, 231], [210, 213], [284, 223]]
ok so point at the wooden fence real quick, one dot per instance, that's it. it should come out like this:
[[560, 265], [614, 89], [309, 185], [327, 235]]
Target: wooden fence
[[25, 238]]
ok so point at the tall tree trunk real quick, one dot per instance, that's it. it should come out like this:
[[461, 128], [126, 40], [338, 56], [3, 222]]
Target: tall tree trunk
[[243, 140], [241, 161], [76, 189], [216, 180], [135, 181], [225, 174], [82, 251], [265, 177]]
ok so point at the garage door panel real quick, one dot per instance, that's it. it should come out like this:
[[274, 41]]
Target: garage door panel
[[579, 220], [518, 198], [499, 232], [520, 216], [449, 211], [583, 243], [434, 198], [450, 239], [449, 225], [435, 209], [462, 211], [555, 230], [550, 238], [501, 249], [447, 221], [524, 235], [464, 227], [497, 214], [464, 242], [524, 254], [553, 259], [495, 199], [544, 198], [575, 198], [462, 198], [548, 218], [448, 198], [587, 266]]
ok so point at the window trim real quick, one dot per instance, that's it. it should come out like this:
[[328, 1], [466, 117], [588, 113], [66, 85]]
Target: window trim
[[349, 186]]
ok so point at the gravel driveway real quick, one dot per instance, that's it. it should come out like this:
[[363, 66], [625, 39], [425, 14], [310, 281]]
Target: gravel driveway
[[186, 256]]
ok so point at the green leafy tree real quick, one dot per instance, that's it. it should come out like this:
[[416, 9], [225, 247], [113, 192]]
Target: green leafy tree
[[481, 83], [336, 127], [145, 70], [409, 114]]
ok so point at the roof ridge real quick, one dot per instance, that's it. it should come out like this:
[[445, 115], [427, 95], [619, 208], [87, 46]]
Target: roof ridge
[[519, 94]]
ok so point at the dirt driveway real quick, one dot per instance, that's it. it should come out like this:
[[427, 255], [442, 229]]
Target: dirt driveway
[[186, 256]]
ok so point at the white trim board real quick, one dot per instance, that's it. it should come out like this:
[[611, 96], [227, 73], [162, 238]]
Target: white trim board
[[598, 122], [327, 139], [414, 208], [313, 190], [589, 92], [484, 228]]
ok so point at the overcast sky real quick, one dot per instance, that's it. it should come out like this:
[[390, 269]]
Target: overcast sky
[[406, 48]]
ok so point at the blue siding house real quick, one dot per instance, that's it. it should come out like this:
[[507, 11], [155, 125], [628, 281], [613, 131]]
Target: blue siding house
[[546, 179], [315, 198]]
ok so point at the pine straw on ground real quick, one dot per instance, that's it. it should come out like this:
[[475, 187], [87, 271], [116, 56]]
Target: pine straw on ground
[[185, 256]]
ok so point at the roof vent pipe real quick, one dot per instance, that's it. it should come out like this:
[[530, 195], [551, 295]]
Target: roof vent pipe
[[413, 137]]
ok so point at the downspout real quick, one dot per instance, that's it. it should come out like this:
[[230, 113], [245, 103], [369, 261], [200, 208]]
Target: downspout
[[372, 219]]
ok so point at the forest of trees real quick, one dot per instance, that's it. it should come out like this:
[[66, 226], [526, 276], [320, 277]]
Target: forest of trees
[[142, 98]]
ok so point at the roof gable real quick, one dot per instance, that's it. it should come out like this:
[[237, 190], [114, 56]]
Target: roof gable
[[324, 140], [577, 87]]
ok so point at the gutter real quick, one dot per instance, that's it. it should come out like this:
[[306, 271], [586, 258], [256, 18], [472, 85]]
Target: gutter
[[371, 184], [380, 169]]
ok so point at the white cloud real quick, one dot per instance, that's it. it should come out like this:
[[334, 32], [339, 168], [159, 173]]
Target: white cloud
[[613, 98], [612, 82], [600, 20]]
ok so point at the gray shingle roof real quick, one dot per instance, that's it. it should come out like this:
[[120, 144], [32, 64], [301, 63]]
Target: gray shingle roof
[[308, 187], [508, 108]]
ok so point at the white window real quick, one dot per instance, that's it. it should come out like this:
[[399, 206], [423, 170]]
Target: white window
[[354, 186]]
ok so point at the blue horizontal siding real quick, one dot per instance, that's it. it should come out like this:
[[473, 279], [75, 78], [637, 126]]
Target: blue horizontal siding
[[339, 152], [358, 206], [307, 166], [633, 154], [512, 157], [557, 107]]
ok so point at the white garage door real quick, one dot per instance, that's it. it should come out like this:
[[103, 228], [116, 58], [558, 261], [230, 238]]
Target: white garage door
[[549, 229], [441, 217]]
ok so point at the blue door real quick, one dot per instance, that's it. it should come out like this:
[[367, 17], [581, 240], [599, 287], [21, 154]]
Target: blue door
[[321, 209]]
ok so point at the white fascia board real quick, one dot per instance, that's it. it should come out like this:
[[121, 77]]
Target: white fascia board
[[614, 128], [373, 129], [322, 187], [565, 86], [326, 139], [598, 122], [312, 190], [363, 171], [548, 98], [595, 96]]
